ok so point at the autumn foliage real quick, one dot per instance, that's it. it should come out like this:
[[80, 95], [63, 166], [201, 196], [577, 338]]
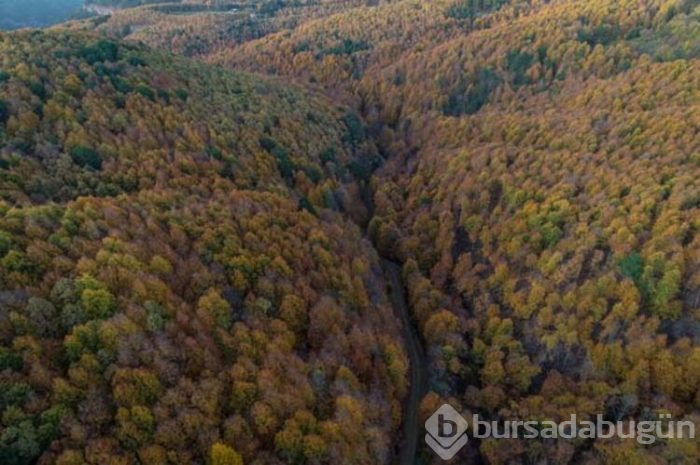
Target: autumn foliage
[[183, 278]]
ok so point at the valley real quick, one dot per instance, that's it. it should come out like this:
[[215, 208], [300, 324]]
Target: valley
[[287, 232]]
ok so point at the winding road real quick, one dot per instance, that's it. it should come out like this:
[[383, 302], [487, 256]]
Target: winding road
[[408, 447]]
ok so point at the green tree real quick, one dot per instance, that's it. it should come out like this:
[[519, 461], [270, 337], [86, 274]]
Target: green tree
[[212, 306], [85, 157], [4, 111]]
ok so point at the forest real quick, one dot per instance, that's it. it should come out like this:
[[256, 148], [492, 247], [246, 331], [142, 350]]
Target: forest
[[195, 206], [181, 275]]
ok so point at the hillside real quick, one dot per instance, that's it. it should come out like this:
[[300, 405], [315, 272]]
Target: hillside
[[199, 27], [542, 193], [178, 281]]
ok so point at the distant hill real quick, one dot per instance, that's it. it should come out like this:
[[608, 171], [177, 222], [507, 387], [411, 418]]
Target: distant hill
[[16, 14], [126, 3]]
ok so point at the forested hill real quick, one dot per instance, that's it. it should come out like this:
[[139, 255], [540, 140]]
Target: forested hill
[[182, 275], [542, 191], [177, 281]]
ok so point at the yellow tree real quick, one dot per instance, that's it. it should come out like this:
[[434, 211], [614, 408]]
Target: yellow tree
[[221, 454]]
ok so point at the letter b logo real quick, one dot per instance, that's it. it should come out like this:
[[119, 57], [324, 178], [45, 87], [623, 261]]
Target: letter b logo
[[446, 428], [446, 432]]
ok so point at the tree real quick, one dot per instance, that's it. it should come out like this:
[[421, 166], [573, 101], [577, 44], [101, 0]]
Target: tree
[[664, 374], [221, 454], [135, 387], [97, 303], [41, 313], [440, 325], [85, 157], [293, 311], [70, 457], [136, 426], [213, 307], [4, 111]]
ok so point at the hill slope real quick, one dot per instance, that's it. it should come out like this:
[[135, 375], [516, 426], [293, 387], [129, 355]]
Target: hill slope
[[541, 190], [178, 282]]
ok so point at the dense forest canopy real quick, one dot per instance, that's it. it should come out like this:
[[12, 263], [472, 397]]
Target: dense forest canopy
[[173, 253], [542, 194], [184, 275]]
